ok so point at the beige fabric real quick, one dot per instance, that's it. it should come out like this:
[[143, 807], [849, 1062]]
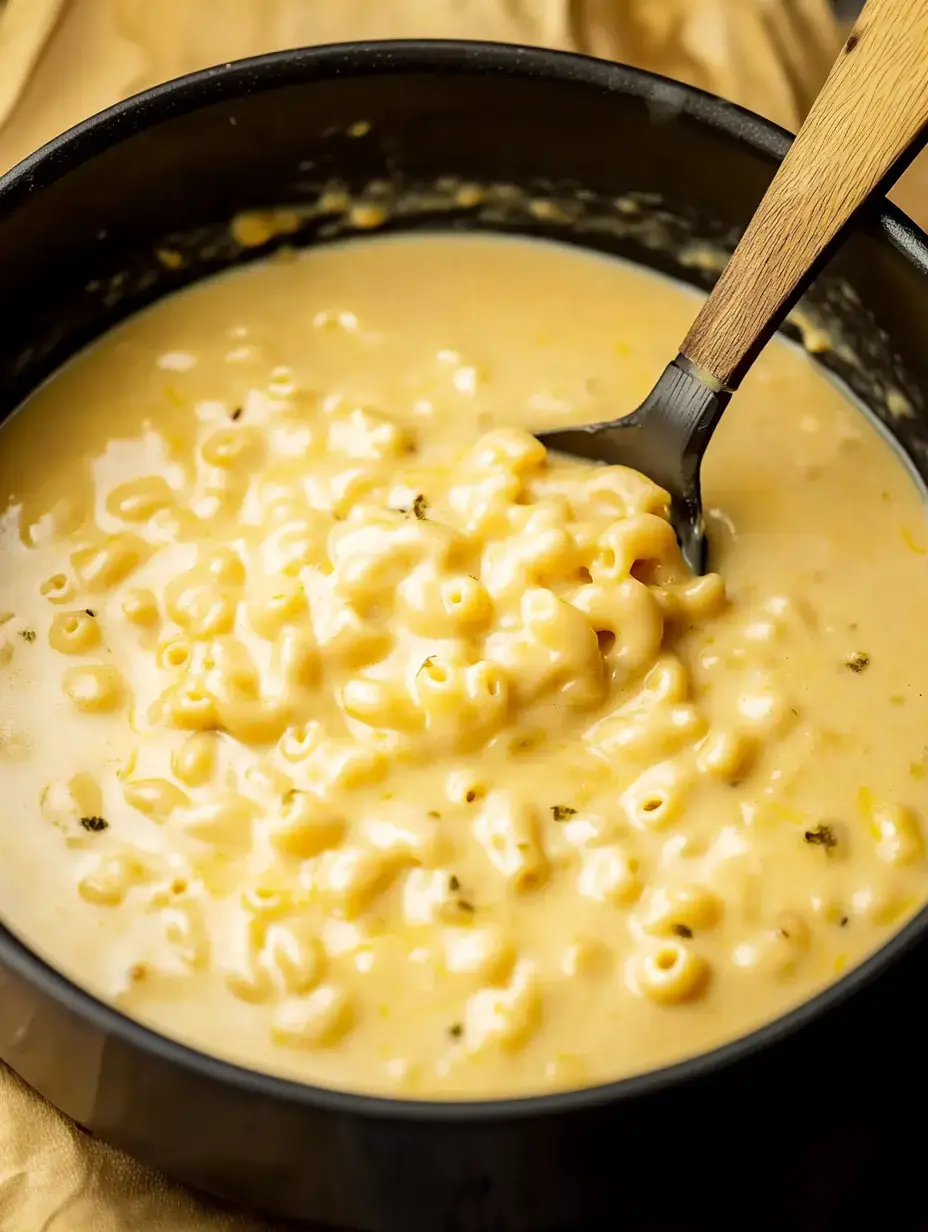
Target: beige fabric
[[769, 55], [911, 193], [55, 1178], [25, 27]]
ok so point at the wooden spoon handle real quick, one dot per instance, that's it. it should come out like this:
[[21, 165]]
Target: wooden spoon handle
[[872, 109]]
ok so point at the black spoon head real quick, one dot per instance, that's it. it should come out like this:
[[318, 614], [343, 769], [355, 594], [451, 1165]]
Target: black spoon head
[[665, 439]]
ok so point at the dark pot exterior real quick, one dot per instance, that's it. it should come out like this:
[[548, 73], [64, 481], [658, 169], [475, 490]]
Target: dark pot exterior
[[79, 224]]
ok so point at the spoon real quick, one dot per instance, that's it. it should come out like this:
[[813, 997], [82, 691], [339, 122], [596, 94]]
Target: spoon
[[866, 125]]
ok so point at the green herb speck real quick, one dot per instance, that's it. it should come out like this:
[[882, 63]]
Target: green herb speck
[[821, 836], [560, 812], [94, 824], [857, 662]]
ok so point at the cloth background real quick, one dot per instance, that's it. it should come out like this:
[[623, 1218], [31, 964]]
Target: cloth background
[[62, 60]]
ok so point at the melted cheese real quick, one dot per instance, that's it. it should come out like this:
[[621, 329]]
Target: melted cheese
[[346, 734]]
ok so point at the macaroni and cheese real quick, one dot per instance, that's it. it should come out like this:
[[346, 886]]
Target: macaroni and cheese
[[347, 734]]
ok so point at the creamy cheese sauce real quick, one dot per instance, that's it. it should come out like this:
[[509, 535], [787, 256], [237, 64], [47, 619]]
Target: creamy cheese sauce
[[346, 735]]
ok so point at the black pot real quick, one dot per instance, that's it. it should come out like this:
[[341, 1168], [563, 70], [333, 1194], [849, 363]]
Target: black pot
[[80, 224]]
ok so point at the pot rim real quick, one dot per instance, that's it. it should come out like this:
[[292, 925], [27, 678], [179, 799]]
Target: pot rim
[[301, 66]]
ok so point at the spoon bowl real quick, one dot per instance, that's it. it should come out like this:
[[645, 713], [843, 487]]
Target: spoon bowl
[[665, 439]]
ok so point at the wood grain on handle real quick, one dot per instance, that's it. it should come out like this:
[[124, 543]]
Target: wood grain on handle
[[872, 108]]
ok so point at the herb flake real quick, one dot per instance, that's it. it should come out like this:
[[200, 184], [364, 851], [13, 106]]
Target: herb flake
[[857, 662], [420, 507], [464, 905], [28, 635], [88, 611], [822, 836], [683, 930], [456, 1030], [453, 884], [237, 413], [94, 824], [561, 812]]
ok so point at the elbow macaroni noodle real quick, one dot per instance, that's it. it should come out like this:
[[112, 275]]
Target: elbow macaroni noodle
[[360, 740]]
